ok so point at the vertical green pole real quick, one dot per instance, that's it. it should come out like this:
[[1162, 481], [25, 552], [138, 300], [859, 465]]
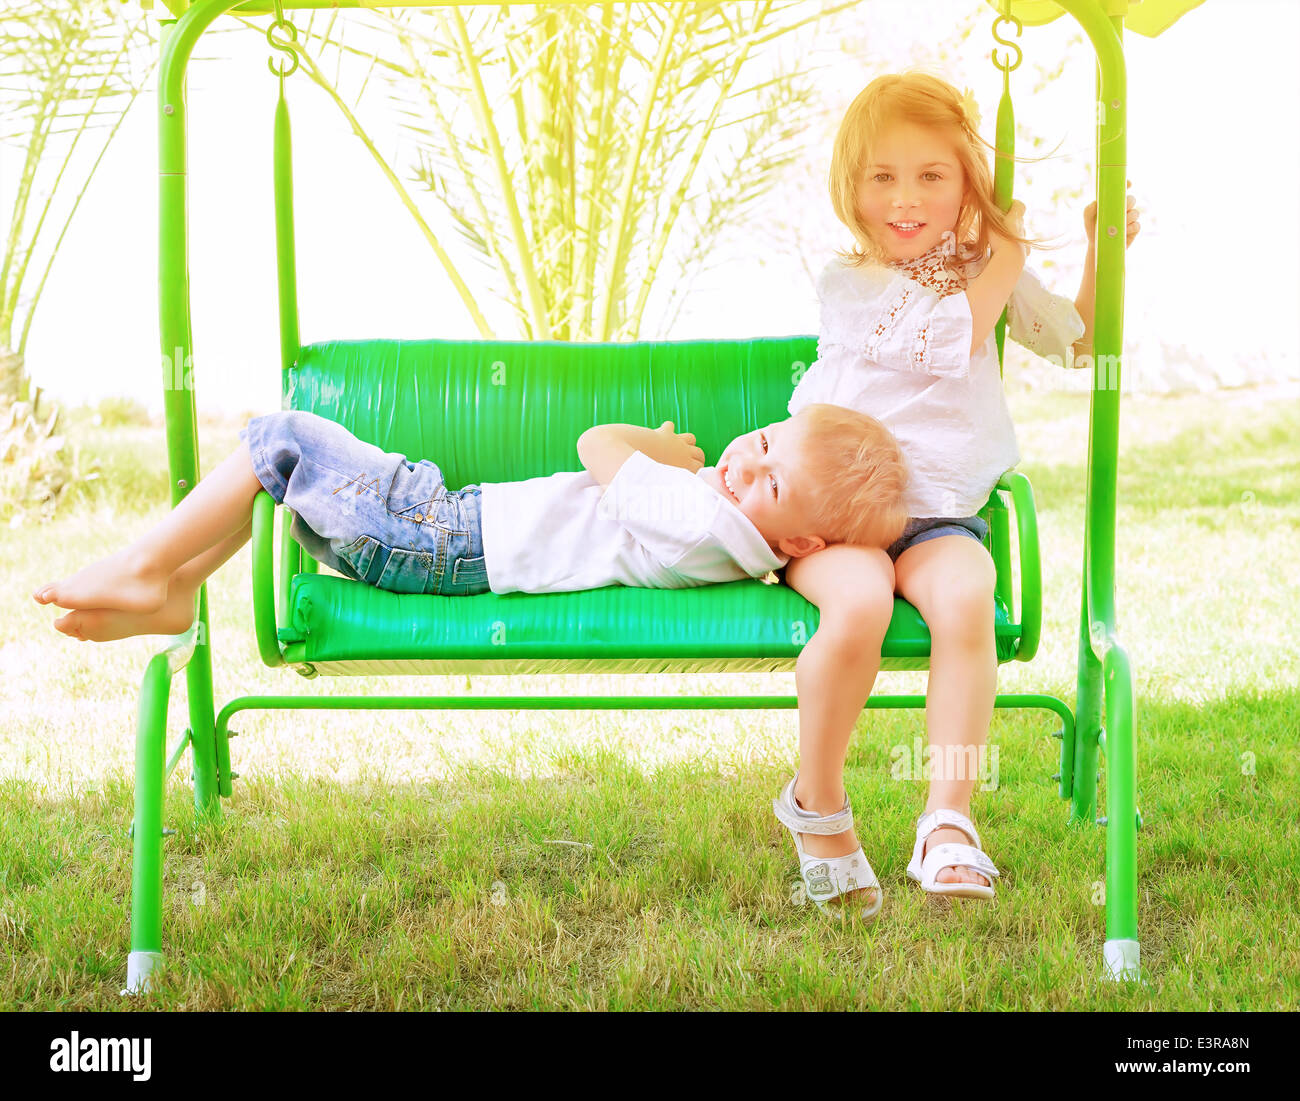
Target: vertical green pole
[[1089, 690], [177, 42], [290, 564], [146, 826], [1003, 187], [286, 264], [999, 521], [178, 353], [1081, 757], [1121, 815], [291, 556], [1121, 959], [1099, 634], [1004, 178]]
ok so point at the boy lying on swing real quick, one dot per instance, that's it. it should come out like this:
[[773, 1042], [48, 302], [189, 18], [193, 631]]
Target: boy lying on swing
[[646, 511]]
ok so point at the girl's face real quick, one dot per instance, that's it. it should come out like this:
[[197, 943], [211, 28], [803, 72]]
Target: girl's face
[[910, 192]]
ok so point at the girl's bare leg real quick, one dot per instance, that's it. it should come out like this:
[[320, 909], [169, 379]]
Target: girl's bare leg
[[950, 581], [177, 612], [853, 588], [135, 579]]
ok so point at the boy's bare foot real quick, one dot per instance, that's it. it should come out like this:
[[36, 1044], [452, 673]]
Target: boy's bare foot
[[115, 583], [106, 625]]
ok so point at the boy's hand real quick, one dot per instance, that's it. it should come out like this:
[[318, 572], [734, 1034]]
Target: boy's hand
[[682, 444], [604, 448], [1132, 227]]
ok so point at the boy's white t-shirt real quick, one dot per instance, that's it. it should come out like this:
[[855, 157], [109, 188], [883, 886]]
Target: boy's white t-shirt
[[900, 352], [655, 526]]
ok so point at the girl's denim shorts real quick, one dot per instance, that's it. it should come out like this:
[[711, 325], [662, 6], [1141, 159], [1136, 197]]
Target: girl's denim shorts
[[919, 529], [368, 513]]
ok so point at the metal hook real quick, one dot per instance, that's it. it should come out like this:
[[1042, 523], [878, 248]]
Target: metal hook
[[1005, 64], [284, 45]]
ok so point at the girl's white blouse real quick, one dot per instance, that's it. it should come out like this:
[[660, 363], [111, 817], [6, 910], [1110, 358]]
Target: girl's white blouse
[[899, 351]]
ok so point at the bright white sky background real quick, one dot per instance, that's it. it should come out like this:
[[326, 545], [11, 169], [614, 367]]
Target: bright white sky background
[[1213, 280]]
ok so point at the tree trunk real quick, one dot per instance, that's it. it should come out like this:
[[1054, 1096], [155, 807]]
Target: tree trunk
[[13, 380]]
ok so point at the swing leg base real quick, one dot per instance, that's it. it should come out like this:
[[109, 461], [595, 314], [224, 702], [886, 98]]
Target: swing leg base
[[139, 966], [1120, 961]]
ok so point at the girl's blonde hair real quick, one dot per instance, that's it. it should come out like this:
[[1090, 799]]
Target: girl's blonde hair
[[928, 101], [852, 476]]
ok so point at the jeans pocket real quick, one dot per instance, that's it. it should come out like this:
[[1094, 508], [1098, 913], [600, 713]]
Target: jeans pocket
[[414, 510], [469, 575], [357, 556], [416, 492], [396, 569], [407, 571]]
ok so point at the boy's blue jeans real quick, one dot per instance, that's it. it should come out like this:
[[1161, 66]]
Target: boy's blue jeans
[[368, 513]]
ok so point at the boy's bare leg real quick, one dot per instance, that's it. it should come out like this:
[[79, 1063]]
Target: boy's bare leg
[[135, 578], [853, 588], [950, 581], [177, 613]]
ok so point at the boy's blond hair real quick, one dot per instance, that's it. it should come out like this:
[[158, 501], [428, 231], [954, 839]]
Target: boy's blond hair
[[852, 475], [932, 103]]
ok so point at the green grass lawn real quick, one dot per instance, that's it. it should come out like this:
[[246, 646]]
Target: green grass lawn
[[396, 860]]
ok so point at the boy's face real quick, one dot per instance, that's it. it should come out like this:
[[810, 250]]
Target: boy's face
[[761, 473]]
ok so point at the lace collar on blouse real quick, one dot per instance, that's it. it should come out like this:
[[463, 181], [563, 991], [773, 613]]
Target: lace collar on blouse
[[929, 269]]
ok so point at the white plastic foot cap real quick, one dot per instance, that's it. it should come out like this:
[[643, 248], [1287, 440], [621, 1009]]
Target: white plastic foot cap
[[1120, 961], [138, 967]]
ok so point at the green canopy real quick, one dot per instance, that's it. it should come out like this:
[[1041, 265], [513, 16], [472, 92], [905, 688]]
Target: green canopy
[[1147, 17]]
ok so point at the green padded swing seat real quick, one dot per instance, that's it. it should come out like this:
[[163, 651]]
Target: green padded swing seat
[[502, 411]]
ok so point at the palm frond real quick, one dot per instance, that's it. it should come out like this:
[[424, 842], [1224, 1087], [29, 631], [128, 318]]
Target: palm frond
[[579, 152], [66, 73]]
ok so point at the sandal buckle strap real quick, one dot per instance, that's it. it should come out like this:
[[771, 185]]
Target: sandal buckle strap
[[826, 878], [788, 814], [953, 855], [840, 822], [943, 817]]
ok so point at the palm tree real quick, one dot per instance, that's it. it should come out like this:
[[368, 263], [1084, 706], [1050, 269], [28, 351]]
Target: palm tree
[[582, 152], [68, 74]]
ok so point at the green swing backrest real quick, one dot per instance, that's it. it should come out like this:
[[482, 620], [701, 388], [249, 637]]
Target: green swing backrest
[[506, 410]]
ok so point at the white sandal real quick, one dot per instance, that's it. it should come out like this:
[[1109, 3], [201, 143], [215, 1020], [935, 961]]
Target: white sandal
[[826, 878], [950, 855]]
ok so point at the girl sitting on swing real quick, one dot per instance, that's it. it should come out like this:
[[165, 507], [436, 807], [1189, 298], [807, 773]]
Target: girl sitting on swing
[[907, 336]]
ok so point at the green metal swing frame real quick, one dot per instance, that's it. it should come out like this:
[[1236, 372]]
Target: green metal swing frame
[[1105, 680]]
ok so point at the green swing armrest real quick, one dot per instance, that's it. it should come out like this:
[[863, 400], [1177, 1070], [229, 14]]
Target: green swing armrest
[[1031, 570], [264, 596]]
